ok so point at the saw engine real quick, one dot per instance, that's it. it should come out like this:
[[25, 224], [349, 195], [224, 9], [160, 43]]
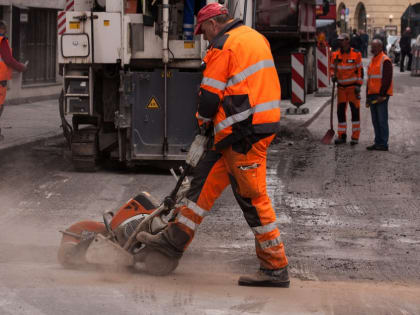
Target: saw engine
[[112, 242]]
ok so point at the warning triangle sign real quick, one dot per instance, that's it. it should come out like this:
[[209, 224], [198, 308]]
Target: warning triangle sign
[[153, 104]]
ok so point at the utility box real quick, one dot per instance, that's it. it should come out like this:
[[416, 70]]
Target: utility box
[[76, 44]]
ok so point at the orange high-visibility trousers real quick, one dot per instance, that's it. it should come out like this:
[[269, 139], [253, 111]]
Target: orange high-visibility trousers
[[3, 90], [247, 175], [347, 95]]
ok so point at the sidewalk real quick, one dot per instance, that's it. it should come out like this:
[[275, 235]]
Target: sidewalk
[[313, 103], [30, 122]]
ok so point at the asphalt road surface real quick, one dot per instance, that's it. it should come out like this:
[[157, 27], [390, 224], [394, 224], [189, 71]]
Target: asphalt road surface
[[350, 220]]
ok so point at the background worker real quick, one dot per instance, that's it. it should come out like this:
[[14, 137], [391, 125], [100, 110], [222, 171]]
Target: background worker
[[240, 97], [7, 65], [379, 89], [347, 71], [405, 45]]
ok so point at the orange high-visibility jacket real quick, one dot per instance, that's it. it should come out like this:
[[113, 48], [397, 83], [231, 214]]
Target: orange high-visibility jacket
[[5, 71], [375, 72], [240, 91], [349, 67]]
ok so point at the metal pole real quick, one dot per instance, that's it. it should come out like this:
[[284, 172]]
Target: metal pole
[[165, 59]]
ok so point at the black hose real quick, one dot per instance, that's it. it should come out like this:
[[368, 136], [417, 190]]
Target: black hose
[[67, 129]]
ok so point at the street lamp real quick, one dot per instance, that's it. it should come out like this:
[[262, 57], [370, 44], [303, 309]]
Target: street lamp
[[390, 18]]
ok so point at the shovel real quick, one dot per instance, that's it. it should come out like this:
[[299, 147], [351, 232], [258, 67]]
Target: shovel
[[330, 133]]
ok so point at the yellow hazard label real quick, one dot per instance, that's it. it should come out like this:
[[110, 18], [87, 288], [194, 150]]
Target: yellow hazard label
[[168, 74], [106, 22], [74, 25], [189, 45], [153, 104]]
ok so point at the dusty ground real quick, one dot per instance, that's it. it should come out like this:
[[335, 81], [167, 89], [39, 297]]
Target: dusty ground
[[350, 220]]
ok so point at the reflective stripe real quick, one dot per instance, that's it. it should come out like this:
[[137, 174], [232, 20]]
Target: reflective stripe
[[341, 129], [241, 76], [188, 33], [203, 118], [356, 129], [264, 229], [355, 122], [184, 220], [271, 243], [347, 67], [352, 79], [245, 114], [188, 25], [378, 76], [214, 83], [197, 210]]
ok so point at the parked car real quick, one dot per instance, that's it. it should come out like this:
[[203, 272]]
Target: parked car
[[393, 48]]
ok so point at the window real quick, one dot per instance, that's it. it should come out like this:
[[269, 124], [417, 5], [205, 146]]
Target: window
[[38, 38]]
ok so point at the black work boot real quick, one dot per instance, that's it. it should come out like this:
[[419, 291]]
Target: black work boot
[[354, 141], [267, 278], [160, 243], [341, 140]]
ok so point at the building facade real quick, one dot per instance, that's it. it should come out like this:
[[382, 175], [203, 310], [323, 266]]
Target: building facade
[[373, 16], [32, 33]]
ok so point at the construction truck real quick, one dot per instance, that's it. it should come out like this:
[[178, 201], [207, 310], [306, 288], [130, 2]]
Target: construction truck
[[132, 69]]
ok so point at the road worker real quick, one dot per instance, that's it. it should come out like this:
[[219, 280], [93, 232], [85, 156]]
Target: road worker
[[347, 70], [239, 97], [7, 65], [379, 89]]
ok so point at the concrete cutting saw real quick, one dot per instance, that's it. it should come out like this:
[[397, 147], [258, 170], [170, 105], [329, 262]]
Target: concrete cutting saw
[[113, 242]]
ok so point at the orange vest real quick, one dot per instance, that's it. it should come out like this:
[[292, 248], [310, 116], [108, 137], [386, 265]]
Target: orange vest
[[5, 71], [375, 72], [241, 77], [349, 67]]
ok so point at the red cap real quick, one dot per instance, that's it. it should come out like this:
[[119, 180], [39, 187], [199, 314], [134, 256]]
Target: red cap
[[207, 12]]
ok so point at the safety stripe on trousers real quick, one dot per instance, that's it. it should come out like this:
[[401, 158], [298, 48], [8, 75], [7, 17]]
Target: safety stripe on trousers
[[220, 85], [271, 243], [241, 76], [197, 210], [184, 220], [356, 129], [264, 228], [245, 114]]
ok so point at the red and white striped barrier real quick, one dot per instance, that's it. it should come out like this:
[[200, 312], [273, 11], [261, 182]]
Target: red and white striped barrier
[[298, 79], [61, 18], [322, 66]]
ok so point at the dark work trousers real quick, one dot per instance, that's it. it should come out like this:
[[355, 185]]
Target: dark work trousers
[[410, 59], [342, 121], [379, 113]]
